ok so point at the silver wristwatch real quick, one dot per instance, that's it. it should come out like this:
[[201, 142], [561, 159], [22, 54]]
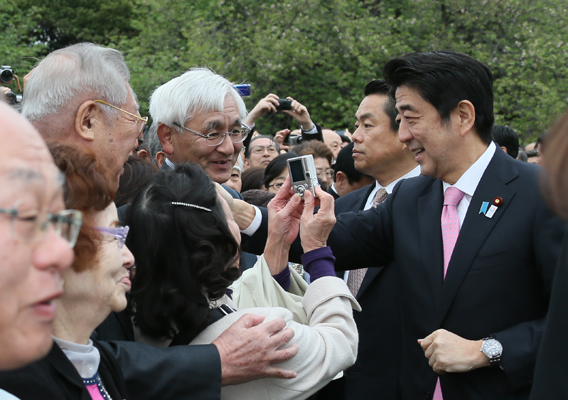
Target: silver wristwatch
[[493, 350]]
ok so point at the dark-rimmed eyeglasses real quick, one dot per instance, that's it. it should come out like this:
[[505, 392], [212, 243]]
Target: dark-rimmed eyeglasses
[[119, 234], [141, 120], [66, 224], [217, 138], [276, 186]]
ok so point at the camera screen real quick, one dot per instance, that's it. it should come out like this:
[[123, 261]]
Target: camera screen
[[297, 171]]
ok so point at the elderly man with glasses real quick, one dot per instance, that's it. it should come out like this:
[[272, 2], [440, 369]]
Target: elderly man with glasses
[[199, 117], [36, 240]]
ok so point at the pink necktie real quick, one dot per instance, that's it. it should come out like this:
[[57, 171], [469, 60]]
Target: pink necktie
[[356, 276], [450, 232]]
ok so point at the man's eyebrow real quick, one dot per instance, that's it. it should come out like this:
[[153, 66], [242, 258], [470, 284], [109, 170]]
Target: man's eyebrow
[[364, 116], [212, 125], [407, 107]]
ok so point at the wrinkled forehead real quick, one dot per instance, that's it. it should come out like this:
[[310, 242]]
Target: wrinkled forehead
[[27, 181]]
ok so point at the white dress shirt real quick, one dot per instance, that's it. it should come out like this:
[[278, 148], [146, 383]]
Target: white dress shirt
[[470, 179]]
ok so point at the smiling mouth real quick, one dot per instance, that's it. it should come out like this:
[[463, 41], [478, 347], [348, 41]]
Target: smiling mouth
[[417, 152]]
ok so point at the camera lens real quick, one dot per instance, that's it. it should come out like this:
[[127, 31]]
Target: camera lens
[[6, 76]]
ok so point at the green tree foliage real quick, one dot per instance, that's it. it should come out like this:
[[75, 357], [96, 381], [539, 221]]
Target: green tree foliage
[[61, 23], [319, 52]]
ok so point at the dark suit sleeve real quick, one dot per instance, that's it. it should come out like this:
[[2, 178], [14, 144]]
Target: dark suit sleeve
[[550, 374], [363, 239], [180, 372], [521, 342]]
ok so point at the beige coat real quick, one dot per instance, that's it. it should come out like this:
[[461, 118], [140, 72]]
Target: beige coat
[[326, 333]]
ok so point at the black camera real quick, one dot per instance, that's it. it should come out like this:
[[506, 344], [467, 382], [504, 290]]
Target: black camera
[[284, 105], [292, 140], [6, 74]]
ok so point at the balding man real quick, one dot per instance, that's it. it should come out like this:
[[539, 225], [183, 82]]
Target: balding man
[[80, 95], [34, 248]]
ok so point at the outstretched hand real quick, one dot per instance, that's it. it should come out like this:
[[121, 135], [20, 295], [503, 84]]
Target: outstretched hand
[[249, 349], [300, 113], [315, 228], [264, 106], [284, 212]]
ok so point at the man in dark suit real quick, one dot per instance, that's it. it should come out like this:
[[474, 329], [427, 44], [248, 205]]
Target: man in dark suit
[[375, 151], [474, 298], [103, 118]]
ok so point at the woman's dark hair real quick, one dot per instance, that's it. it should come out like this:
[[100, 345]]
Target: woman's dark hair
[[252, 179], [88, 187], [276, 166], [185, 255], [138, 172]]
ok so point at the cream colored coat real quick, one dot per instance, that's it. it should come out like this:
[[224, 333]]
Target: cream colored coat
[[327, 340]]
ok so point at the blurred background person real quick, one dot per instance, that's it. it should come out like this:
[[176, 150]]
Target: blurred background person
[[78, 367]]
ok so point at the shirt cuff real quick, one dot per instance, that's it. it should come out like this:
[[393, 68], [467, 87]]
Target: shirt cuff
[[255, 224], [311, 131], [319, 263]]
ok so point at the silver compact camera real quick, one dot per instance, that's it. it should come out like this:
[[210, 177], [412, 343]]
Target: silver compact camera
[[303, 175]]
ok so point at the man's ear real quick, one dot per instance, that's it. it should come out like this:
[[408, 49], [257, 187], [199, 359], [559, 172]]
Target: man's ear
[[165, 136], [341, 180], [160, 157], [89, 120], [466, 112]]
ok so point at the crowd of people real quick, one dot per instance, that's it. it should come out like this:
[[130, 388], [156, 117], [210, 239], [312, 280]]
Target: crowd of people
[[175, 261]]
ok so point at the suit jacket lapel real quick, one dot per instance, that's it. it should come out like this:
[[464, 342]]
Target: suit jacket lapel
[[430, 233], [477, 227]]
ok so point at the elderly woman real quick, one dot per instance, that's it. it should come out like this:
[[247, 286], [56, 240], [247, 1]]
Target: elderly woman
[[187, 244], [96, 284]]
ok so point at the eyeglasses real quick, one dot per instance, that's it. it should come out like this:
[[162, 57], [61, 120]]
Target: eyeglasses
[[119, 234], [143, 120], [328, 172], [261, 149], [216, 138], [276, 186], [33, 229]]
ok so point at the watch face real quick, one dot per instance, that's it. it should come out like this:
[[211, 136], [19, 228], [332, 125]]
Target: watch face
[[492, 348]]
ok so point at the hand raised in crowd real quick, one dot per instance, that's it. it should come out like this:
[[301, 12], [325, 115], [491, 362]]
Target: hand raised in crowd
[[249, 348], [315, 228], [264, 106], [448, 352], [300, 113], [284, 212], [279, 138]]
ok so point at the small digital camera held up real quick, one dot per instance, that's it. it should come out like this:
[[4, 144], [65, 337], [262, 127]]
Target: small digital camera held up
[[303, 175], [284, 104]]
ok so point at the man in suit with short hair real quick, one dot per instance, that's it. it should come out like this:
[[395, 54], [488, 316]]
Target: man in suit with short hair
[[473, 244]]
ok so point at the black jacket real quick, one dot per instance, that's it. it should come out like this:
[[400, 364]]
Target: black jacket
[[54, 377]]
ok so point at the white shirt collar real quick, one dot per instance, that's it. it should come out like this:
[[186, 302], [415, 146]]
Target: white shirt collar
[[169, 163], [84, 357], [413, 173], [470, 179]]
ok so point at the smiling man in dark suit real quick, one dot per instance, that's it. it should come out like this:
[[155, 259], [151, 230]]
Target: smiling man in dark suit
[[474, 274]]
